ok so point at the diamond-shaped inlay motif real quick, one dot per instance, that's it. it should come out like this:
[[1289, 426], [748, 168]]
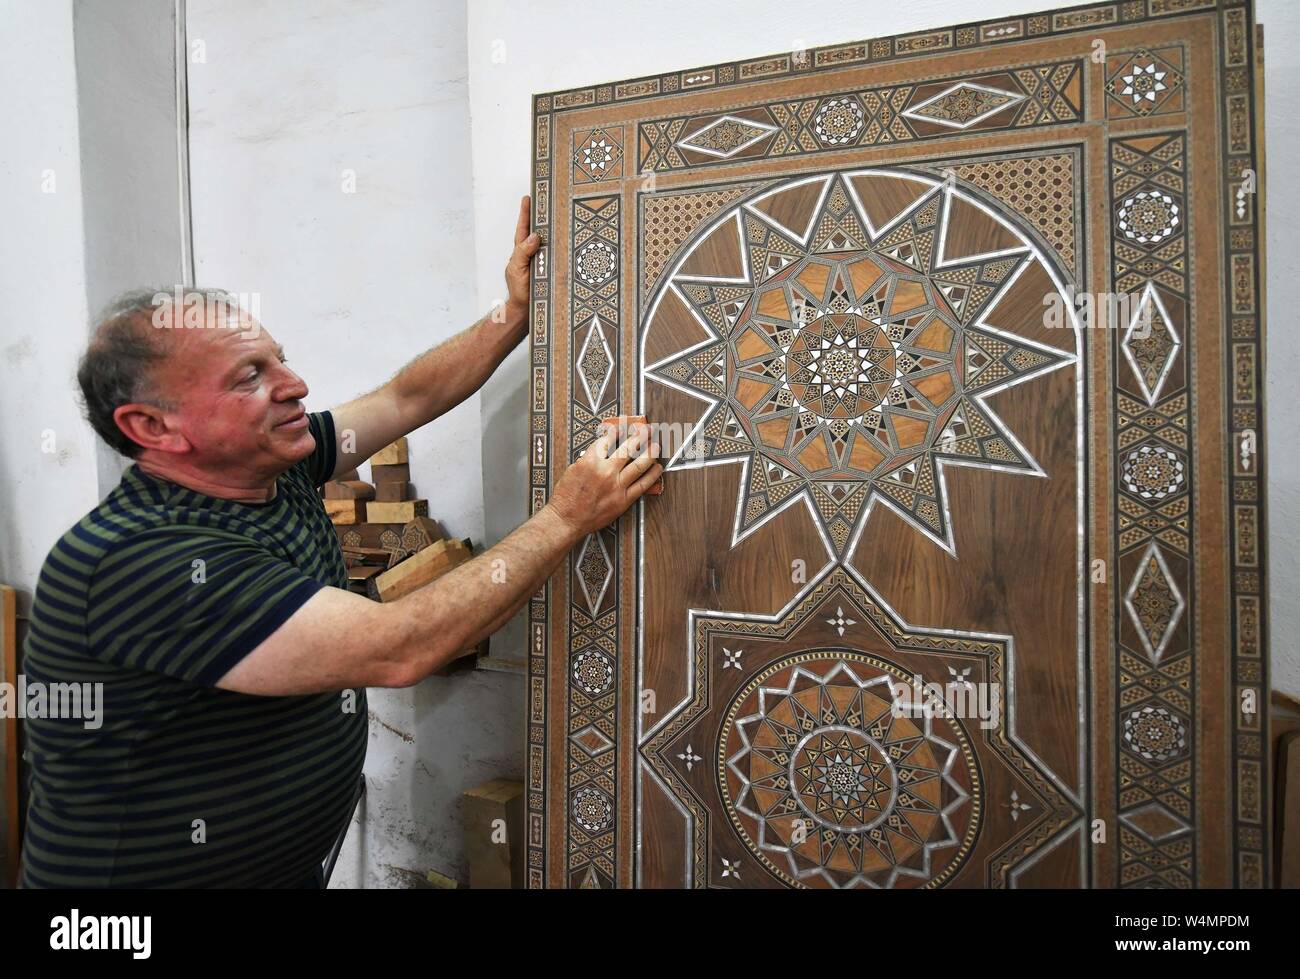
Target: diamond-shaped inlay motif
[[1151, 344], [1154, 603], [1154, 823], [725, 137], [963, 105], [592, 741], [595, 360], [594, 571]]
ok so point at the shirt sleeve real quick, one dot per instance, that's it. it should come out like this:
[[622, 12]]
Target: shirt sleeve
[[189, 602], [319, 466]]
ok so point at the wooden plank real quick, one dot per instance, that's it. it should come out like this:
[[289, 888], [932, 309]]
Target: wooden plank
[[9, 787], [494, 829], [417, 570], [392, 492], [344, 512], [350, 489], [379, 556], [390, 455], [396, 473], [396, 512]]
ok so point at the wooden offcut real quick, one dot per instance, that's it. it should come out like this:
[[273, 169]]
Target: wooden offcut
[[390, 455], [417, 570], [381, 556], [392, 492], [344, 512], [395, 473], [494, 828], [396, 512]]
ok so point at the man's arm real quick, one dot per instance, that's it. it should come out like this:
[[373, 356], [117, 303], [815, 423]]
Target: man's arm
[[440, 379], [338, 640]]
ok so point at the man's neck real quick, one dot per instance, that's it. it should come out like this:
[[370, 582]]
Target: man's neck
[[241, 487]]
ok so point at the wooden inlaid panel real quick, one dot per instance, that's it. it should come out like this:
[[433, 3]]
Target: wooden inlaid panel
[[957, 576]]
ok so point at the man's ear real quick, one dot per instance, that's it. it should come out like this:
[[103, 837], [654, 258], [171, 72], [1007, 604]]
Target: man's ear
[[146, 425]]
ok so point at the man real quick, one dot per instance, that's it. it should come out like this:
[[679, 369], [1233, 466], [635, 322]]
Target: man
[[207, 594]]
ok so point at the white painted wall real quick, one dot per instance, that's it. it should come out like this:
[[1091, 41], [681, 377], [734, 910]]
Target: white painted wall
[[627, 39], [130, 134], [291, 95], [43, 285]]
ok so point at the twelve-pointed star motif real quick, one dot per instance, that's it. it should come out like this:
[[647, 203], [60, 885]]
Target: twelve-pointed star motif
[[849, 364]]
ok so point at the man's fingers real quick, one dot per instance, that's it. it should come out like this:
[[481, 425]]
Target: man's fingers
[[651, 476], [603, 444], [633, 470], [633, 444], [521, 226]]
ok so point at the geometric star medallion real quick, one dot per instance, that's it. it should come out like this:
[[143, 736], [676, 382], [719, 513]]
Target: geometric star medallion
[[848, 364], [832, 786]]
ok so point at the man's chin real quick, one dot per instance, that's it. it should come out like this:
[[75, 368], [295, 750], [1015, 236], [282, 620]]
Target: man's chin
[[296, 444]]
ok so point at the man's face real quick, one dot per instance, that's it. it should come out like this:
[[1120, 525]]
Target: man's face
[[237, 403]]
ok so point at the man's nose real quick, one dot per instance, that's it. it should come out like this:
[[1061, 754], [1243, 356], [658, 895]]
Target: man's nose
[[291, 387]]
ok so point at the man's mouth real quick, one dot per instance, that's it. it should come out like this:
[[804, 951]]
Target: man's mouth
[[297, 421]]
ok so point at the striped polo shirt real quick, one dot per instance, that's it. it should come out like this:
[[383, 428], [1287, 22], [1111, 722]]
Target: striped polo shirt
[[156, 594]]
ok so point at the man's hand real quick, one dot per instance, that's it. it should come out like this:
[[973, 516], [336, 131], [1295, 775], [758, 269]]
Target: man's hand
[[600, 486], [526, 246]]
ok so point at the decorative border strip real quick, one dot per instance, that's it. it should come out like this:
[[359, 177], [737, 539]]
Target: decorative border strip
[[1026, 96], [1244, 346], [591, 694], [1157, 714]]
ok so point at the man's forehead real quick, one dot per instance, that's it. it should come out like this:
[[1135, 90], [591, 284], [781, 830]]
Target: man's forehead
[[227, 340]]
